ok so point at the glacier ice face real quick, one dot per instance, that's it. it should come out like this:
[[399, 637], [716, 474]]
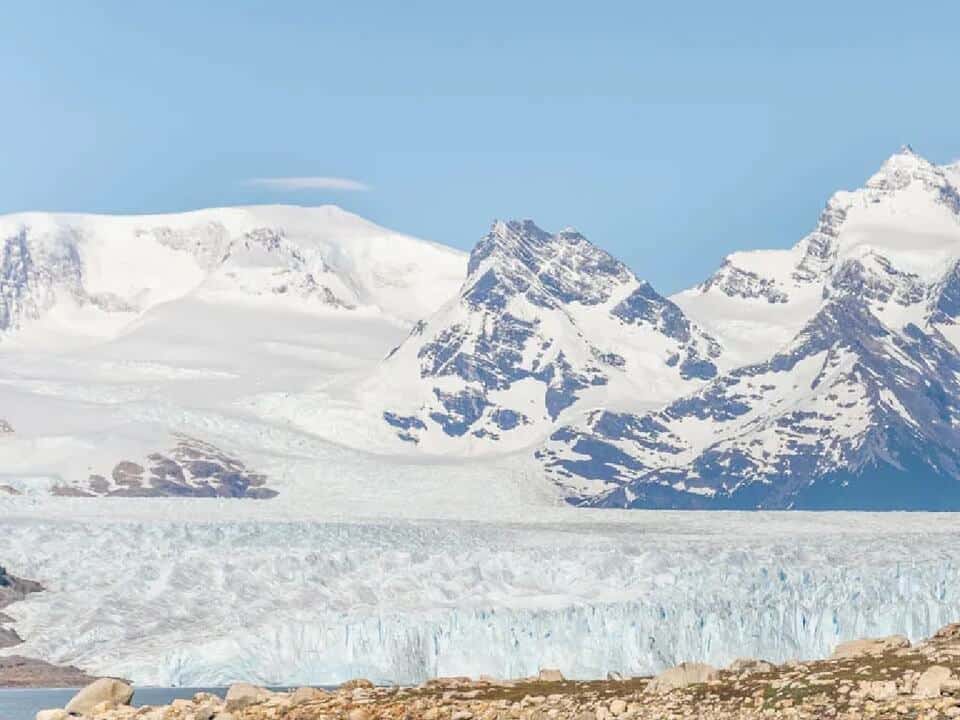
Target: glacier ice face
[[207, 603]]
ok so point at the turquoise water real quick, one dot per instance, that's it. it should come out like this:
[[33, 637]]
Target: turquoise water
[[16, 704]]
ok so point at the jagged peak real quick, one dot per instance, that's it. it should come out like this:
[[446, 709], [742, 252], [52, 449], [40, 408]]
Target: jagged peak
[[901, 168], [517, 228], [555, 268], [906, 156]]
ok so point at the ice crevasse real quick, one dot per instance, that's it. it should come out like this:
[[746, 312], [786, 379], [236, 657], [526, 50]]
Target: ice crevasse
[[171, 603]]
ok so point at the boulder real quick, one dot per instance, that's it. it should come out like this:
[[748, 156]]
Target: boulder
[[550, 675], [205, 697], [304, 695], [105, 690], [931, 681], [614, 676], [206, 711], [357, 683], [947, 633], [58, 714], [749, 666], [870, 646], [241, 695], [681, 676], [879, 690]]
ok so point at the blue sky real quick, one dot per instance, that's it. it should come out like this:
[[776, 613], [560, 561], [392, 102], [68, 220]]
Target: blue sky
[[669, 133]]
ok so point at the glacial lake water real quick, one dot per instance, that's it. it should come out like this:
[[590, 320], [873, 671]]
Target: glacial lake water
[[23, 704]]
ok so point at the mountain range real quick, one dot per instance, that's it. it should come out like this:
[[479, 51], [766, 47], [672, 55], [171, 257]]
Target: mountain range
[[209, 353]]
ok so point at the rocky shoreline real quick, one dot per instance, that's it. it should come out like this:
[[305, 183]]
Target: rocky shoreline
[[18, 671], [874, 678]]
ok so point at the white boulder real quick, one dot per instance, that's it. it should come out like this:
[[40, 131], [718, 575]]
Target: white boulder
[[110, 691]]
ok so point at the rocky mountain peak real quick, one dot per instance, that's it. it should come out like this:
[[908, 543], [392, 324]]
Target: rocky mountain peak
[[551, 312], [518, 257], [903, 168]]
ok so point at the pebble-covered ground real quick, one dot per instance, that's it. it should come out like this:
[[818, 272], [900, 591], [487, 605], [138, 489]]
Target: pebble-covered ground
[[875, 678]]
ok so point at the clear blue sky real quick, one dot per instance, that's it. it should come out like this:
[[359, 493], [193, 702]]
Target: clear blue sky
[[669, 133]]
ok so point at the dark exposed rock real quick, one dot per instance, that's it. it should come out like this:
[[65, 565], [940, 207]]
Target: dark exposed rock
[[128, 473], [19, 671], [193, 468], [12, 589], [98, 484], [737, 282]]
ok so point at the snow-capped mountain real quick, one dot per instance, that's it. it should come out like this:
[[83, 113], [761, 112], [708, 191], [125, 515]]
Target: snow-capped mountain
[[859, 404], [94, 275], [224, 348], [544, 325], [130, 347]]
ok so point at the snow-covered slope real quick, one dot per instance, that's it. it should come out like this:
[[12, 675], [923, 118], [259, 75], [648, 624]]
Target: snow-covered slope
[[94, 275], [131, 346], [858, 404]]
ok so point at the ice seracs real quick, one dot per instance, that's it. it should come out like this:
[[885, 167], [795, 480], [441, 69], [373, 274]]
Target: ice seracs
[[301, 601]]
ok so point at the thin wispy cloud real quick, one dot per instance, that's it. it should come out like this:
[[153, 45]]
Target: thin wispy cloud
[[309, 183]]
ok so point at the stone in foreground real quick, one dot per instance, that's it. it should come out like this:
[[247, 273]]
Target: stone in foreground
[[53, 715], [870, 646], [681, 676], [103, 691], [902, 683], [241, 695]]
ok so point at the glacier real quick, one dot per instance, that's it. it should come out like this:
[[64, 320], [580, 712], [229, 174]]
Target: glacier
[[338, 529], [197, 598]]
